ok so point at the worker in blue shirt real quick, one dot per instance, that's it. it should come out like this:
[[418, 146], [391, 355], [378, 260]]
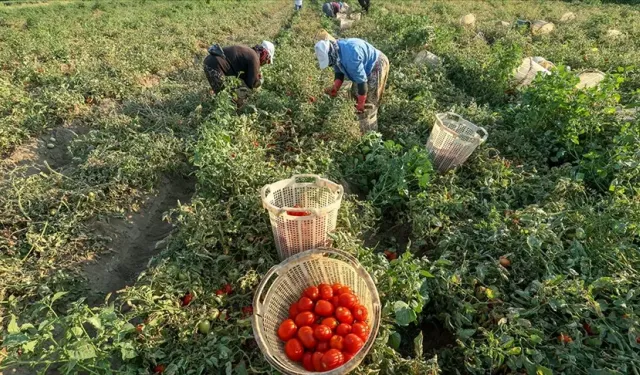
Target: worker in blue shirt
[[358, 61]]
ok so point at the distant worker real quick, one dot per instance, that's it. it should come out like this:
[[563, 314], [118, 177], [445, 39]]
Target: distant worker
[[358, 61], [333, 8], [237, 61], [365, 4], [297, 4]]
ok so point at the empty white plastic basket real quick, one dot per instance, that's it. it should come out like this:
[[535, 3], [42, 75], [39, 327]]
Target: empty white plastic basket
[[316, 196], [453, 139], [283, 285]]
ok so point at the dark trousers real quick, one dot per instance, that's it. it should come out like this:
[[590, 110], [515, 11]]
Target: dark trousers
[[213, 73], [364, 4]]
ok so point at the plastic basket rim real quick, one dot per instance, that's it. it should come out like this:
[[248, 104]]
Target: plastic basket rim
[[319, 182], [284, 266], [479, 139]]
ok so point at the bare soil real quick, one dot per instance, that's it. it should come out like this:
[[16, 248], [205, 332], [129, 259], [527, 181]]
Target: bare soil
[[134, 240], [50, 149]]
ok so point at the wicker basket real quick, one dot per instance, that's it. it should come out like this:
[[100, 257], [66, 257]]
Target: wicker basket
[[283, 285], [527, 71], [453, 139], [316, 197], [590, 78]]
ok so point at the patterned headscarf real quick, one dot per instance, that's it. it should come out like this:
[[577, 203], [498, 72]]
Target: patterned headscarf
[[333, 53]]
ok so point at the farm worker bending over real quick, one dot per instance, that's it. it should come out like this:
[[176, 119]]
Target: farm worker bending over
[[237, 61], [297, 4], [364, 4], [333, 8], [358, 61]]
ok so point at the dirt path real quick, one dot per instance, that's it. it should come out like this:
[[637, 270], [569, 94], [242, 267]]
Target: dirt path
[[134, 241], [51, 148]]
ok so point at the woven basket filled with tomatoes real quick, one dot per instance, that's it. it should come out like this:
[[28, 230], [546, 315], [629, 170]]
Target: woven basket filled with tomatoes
[[316, 312], [303, 210]]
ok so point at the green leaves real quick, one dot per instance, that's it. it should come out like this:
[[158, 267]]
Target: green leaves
[[417, 345], [81, 350], [394, 340], [404, 314], [127, 351], [13, 325]]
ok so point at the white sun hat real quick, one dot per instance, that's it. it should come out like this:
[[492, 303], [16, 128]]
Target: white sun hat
[[322, 53], [270, 48]]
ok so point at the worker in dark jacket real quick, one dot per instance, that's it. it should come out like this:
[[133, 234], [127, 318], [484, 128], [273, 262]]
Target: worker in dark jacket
[[364, 4], [237, 61], [332, 9], [358, 61]]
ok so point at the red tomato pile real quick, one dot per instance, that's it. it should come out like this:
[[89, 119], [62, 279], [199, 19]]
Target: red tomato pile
[[326, 327], [297, 213]]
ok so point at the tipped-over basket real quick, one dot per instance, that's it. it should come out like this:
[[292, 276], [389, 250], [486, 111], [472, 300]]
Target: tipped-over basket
[[284, 284], [453, 139], [303, 210]]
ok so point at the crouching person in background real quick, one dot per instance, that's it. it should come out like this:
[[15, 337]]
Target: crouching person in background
[[237, 61], [332, 9]]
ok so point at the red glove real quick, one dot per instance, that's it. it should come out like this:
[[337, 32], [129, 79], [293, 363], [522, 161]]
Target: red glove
[[333, 91], [361, 100]]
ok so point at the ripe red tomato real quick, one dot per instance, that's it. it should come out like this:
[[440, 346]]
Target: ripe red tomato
[[587, 328], [330, 322], [159, 369], [322, 333], [293, 310], [287, 330], [565, 339], [247, 310], [331, 359], [305, 304], [345, 289], [305, 318], [361, 330], [186, 300], [326, 292], [347, 300], [324, 308], [343, 329], [322, 346], [305, 335], [347, 356], [227, 288], [336, 288], [220, 292], [335, 301], [343, 315], [297, 213], [312, 292], [391, 255], [139, 328], [316, 359], [359, 313], [353, 343], [336, 342], [307, 361], [294, 350]]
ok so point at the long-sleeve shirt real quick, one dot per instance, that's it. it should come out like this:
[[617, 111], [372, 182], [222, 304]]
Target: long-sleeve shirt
[[238, 61], [357, 59]]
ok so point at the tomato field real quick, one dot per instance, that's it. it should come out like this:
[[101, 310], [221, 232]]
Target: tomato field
[[132, 236]]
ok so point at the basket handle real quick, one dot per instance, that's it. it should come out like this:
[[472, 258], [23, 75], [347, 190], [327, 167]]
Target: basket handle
[[483, 133], [257, 305], [318, 180], [263, 195]]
